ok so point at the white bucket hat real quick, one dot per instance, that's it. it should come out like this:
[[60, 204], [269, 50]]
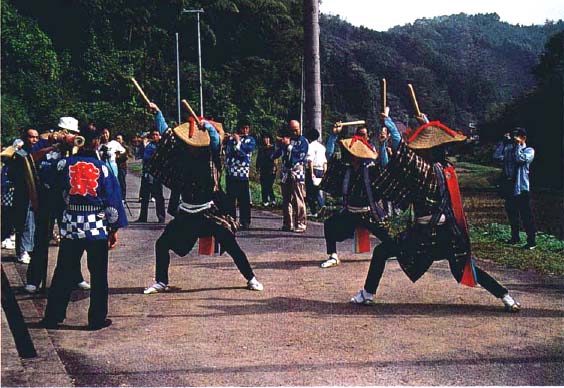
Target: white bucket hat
[[68, 123]]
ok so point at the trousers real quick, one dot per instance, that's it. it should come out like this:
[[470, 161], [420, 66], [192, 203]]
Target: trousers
[[68, 261], [390, 248], [238, 194], [180, 236]]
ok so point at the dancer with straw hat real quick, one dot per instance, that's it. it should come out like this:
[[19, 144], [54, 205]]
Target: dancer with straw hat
[[361, 213], [419, 174], [201, 210]]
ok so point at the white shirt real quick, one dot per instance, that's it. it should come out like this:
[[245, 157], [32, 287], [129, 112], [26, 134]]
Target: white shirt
[[316, 154], [113, 147]]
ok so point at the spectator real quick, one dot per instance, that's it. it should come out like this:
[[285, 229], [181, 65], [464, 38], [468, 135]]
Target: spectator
[[515, 187], [108, 150], [25, 217], [293, 147], [151, 186], [316, 168], [266, 168], [238, 152], [121, 161]]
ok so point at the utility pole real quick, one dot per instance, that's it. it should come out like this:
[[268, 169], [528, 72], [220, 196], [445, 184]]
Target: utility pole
[[198, 12], [312, 71], [178, 79], [302, 95]]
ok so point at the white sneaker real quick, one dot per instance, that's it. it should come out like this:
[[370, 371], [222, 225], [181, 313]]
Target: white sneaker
[[30, 289], [363, 298], [510, 304], [331, 262], [83, 285], [254, 285], [24, 258], [156, 288]]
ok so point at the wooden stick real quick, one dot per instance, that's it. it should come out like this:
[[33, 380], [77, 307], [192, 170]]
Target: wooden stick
[[147, 101], [414, 100], [384, 91], [359, 122], [189, 108]]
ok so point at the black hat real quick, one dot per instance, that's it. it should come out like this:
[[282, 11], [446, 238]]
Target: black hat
[[520, 132]]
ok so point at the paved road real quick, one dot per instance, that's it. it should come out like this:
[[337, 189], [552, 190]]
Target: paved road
[[211, 331]]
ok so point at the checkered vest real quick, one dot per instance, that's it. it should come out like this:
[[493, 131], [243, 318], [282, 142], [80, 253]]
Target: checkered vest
[[238, 161]]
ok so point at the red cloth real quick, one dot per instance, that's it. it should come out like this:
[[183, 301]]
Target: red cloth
[[206, 246], [469, 275], [361, 240], [361, 139]]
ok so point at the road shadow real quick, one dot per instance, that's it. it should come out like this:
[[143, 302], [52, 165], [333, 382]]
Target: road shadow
[[326, 309], [172, 290], [287, 265], [282, 235]]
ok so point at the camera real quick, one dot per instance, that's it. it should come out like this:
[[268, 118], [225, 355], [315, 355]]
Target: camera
[[104, 153]]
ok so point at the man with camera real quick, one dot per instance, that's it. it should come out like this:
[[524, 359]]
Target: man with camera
[[515, 187]]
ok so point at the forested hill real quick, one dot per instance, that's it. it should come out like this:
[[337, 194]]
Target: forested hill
[[464, 67], [76, 58]]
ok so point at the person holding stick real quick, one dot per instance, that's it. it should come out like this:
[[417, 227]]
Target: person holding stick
[[201, 212], [361, 213], [419, 174]]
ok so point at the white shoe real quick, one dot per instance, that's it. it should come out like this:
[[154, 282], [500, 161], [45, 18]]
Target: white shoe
[[30, 289], [156, 288], [83, 285], [331, 262], [24, 258], [510, 304], [363, 298], [254, 285]]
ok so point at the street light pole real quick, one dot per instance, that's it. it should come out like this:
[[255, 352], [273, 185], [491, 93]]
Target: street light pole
[[198, 12]]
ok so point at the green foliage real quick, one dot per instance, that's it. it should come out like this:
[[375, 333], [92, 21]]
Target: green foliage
[[16, 117], [488, 243], [541, 111]]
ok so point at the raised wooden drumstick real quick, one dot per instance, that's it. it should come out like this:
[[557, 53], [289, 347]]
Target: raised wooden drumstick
[[147, 101], [414, 100], [384, 91], [189, 108]]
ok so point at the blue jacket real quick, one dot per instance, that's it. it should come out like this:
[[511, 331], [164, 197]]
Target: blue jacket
[[93, 198], [238, 157], [516, 160], [293, 159]]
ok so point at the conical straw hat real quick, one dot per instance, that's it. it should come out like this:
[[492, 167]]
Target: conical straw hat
[[359, 149], [200, 138], [433, 134]]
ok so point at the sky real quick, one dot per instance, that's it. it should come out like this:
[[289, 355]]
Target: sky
[[381, 15]]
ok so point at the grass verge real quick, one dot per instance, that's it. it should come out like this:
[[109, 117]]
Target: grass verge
[[488, 242]]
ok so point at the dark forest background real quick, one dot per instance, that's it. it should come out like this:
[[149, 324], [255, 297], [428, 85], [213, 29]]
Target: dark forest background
[[75, 58]]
